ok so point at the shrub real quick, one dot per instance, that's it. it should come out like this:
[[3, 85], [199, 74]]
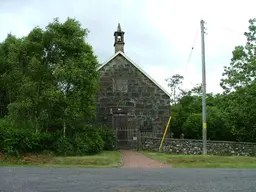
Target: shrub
[[192, 126], [15, 141], [11, 140], [63, 146], [87, 140], [109, 138], [4, 123]]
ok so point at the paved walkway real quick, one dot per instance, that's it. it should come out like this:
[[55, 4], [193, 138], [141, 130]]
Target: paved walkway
[[134, 159]]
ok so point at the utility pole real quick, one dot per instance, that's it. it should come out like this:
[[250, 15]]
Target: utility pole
[[204, 132]]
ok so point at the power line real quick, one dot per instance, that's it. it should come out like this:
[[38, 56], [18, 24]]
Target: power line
[[231, 30], [190, 54], [195, 38], [227, 29], [216, 26]]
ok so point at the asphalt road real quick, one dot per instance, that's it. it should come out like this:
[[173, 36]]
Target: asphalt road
[[24, 179]]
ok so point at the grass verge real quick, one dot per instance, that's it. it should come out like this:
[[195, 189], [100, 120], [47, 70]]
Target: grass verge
[[200, 161], [105, 159]]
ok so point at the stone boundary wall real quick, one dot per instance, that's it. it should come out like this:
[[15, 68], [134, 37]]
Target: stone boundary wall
[[194, 147]]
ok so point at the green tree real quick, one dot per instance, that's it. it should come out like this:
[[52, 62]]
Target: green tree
[[240, 88], [242, 69], [50, 76], [192, 127], [188, 104], [9, 71], [174, 83], [30, 104], [74, 69]]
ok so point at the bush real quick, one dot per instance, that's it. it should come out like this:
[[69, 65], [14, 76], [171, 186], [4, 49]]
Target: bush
[[15, 142], [109, 138], [87, 140], [193, 126], [63, 146]]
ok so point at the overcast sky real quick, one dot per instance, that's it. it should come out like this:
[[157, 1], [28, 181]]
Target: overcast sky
[[159, 34]]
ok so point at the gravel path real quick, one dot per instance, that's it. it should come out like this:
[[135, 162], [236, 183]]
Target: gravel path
[[29, 179], [133, 159]]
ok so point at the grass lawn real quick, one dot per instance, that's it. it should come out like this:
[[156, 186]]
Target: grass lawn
[[200, 161], [105, 159]]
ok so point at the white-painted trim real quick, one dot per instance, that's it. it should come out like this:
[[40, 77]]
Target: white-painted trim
[[134, 64]]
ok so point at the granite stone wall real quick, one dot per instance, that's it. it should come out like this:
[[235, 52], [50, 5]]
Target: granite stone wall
[[123, 85], [194, 147]]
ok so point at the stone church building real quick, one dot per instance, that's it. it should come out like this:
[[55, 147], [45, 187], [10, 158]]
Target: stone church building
[[129, 100]]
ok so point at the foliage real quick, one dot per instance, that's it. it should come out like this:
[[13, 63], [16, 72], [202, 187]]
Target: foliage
[[242, 69], [231, 115], [103, 137], [8, 52], [174, 83], [74, 70], [48, 76], [109, 138], [17, 141], [64, 147], [239, 84], [192, 126], [86, 140], [48, 82]]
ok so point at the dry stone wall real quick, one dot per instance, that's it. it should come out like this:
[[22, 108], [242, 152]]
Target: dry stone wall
[[194, 147]]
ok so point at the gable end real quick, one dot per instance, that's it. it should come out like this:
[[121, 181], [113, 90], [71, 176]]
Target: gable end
[[136, 66]]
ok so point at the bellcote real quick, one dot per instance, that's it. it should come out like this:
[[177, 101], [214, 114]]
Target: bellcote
[[119, 39]]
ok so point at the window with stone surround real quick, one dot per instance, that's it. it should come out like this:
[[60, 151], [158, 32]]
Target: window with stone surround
[[120, 85]]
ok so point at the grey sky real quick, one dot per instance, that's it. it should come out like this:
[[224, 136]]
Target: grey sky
[[158, 34]]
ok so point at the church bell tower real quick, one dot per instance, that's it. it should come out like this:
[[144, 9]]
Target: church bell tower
[[119, 39]]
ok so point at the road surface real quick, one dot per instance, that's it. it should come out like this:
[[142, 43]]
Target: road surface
[[35, 179]]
